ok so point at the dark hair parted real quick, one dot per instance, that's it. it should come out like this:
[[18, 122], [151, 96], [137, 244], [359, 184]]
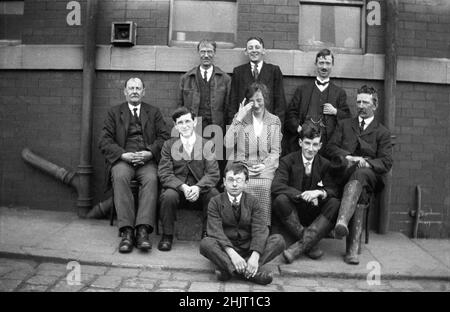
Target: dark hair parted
[[237, 167], [369, 90], [323, 53], [255, 87], [182, 111], [132, 78], [206, 42], [310, 131], [259, 39]]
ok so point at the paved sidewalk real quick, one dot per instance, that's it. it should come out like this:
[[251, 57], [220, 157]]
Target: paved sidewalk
[[62, 236]]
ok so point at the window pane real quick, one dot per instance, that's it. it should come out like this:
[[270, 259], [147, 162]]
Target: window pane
[[195, 20], [11, 20], [331, 26]]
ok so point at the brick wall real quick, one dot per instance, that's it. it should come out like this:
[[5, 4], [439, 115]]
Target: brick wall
[[45, 21], [424, 28]]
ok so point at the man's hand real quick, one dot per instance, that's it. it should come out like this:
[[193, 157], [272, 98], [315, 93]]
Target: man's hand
[[186, 190], [362, 163], [312, 196], [194, 194], [329, 109], [252, 265], [238, 262], [128, 157], [243, 110]]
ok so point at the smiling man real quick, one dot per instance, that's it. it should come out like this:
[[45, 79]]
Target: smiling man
[[257, 71], [131, 140], [366, 145], [305, 195], [187, 175], [319, 101]]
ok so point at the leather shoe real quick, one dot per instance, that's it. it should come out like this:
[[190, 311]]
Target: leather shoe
[[315, 253], [165, 244], [261, 278], [222, 276], [143, 241], [127, 242]]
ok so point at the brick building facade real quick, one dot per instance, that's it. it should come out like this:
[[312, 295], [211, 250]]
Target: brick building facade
[[41, 87]]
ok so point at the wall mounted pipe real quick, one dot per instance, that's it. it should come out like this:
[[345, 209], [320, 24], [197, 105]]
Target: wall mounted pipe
[[85, 169], [390, 84]]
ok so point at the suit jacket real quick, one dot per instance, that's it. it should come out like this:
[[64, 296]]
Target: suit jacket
[[250, 232], [270, 75], [299, 106], [114, 133], [289, 176], [189, 94], [374, 143], [175, 165]]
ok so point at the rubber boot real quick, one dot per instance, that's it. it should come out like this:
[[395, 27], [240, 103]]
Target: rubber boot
[[293, 225], [353, 241], [350, 197], [311, 236]]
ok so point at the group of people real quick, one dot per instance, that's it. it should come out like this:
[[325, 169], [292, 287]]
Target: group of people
[[311, 164]]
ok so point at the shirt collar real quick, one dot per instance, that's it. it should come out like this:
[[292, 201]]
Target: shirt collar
[[306, 160], [231, 198], [131, 107], [367, 121], [208, 71], [323, 80], [259, 65], [190, 140]]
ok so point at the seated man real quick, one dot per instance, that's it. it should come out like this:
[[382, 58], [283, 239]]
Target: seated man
[[131, 141], [305, 195], [366, 145], [238, 239], [187, 174]]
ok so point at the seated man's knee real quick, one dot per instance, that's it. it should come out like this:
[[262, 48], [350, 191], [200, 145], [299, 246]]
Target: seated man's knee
[[170, 196], [281, 205], [361, 174], [278, 240], [206, 244]]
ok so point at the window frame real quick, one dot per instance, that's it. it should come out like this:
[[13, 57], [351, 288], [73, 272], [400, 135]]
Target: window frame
[[172, 42], [353, 3]]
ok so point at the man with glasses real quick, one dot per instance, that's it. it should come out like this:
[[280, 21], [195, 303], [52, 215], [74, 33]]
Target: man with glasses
[[188, 172], [238, 241], [319, 101]]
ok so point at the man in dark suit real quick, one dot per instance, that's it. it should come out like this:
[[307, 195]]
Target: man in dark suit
[[305, 195], [260, 71], [320, 101], [238, 239], [365, 145], [188, 171], [131, 141]]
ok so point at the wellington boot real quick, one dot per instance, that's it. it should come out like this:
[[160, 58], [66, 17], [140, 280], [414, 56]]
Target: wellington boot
[[350, 197], [353, 240]]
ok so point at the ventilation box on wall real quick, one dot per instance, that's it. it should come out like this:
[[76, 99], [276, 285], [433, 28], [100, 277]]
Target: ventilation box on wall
[[123, 33]]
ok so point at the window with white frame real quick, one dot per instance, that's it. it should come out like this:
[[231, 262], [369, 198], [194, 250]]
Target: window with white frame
[[337, 24], [193, 20], [11, 20]]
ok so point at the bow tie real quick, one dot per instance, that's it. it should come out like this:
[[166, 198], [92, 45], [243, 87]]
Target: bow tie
[[320, 83]]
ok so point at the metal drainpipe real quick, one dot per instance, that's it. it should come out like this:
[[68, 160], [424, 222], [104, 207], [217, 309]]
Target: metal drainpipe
[[390, 83], [85, 169]]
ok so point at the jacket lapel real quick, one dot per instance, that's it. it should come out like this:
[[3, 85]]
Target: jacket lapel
[[125, 117], [355, 125], [371, 127], [144, 116], [299, 170], [306, 96]]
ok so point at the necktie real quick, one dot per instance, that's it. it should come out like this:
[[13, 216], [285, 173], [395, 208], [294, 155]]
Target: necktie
[[361, 125], [205, 76], [308, 168], [135, 115], [255, 71], [236, 208], [320, 83]]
